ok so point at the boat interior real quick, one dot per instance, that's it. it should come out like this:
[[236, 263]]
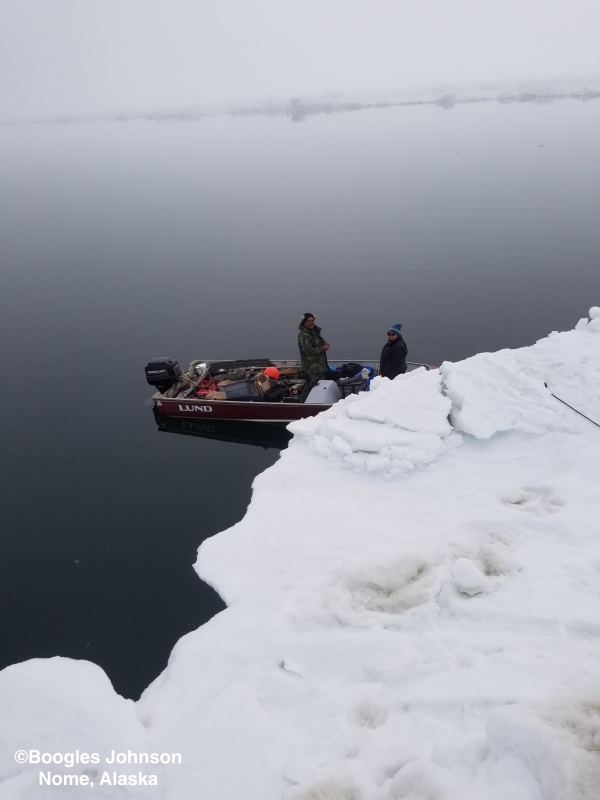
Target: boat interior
[[249, 381]]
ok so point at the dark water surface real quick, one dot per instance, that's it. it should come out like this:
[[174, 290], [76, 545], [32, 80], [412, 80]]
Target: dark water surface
[[477, 227]]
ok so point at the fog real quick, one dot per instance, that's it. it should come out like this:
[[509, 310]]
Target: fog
[[69, 57]]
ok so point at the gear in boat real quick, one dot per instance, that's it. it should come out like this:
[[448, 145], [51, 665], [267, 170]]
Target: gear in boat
[[256, 380]]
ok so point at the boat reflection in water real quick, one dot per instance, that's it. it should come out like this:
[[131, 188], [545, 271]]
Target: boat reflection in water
[[267, 435]]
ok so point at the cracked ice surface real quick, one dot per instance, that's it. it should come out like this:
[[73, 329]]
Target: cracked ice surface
[[427, 633]]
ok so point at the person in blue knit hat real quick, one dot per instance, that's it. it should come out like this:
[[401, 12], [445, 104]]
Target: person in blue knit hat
[[393, 355]]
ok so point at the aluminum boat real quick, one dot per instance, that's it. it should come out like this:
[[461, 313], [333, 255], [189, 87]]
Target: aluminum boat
[[232, 390]]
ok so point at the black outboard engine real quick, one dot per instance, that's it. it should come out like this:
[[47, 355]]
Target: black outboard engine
[[162, 373]]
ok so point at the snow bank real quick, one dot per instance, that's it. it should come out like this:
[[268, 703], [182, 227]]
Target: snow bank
[[59, 706], [491, 393], [407, 618], [397, 426], [507, 391]]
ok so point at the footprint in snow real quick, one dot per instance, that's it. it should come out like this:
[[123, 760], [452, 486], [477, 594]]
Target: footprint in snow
[[539, 500]]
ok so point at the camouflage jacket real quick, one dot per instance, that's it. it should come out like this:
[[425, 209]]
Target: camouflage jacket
[[313, 357]]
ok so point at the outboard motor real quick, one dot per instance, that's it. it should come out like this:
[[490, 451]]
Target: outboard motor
[[162, 373]]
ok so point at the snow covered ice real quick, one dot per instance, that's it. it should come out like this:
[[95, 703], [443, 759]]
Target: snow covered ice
[[413, 609], [388, 430]]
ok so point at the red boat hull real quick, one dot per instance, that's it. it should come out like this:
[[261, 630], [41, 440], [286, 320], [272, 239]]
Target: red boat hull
[[236, 410]]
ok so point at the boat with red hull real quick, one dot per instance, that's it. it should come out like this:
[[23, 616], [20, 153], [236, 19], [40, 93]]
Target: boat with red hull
[[227, 390]]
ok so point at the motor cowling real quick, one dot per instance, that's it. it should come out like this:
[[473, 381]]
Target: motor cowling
[[162, 373]]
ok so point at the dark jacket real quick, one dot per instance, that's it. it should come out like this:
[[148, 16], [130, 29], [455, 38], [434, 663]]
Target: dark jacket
[[313, 357], [393, 358]]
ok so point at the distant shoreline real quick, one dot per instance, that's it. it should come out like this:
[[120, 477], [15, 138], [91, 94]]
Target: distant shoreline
[[299, 108]]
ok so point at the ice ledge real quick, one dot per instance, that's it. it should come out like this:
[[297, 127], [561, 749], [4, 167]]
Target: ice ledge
[[405, 423], [397, 426]]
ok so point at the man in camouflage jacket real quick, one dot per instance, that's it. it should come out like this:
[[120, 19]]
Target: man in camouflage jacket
[[313, 348]]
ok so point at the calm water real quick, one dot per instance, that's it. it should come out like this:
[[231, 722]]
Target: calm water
[[477, 227]]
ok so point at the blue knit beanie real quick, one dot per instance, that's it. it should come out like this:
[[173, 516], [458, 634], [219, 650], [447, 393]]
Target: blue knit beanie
[[395, 328]]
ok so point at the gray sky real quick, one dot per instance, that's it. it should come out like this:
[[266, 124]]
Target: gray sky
[[97, 56]]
